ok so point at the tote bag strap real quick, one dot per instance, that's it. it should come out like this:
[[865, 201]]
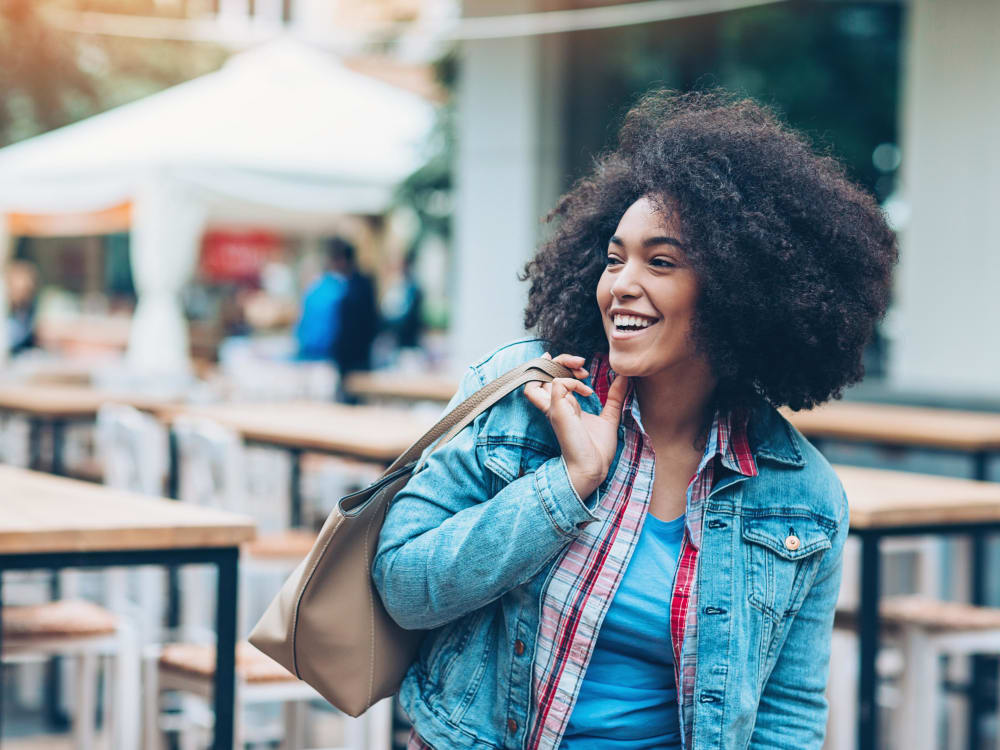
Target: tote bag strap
[[539, 369]]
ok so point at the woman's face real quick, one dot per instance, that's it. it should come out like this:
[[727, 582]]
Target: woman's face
[[647, 296]]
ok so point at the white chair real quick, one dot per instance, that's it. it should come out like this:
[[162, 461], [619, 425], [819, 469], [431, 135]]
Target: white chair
[[87, 635], [14, 435], [329, 478], [214, 471], [263, 370], [133, 450]]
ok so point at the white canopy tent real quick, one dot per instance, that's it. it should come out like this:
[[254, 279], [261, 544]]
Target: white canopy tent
[[282, 134]]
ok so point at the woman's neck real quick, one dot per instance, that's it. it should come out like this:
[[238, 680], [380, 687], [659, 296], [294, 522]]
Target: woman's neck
[[674, 405]]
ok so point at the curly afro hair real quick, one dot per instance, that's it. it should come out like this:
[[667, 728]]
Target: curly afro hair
[[794, 261]]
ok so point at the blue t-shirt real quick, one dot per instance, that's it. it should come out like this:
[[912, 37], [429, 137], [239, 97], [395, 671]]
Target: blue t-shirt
[[320, 322], [628, 697]]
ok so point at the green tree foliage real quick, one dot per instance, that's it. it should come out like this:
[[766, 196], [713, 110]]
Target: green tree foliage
[[52, 75], [41, 83], [428, 191]]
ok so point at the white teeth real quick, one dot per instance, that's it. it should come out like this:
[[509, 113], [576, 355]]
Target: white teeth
[[632, 321]]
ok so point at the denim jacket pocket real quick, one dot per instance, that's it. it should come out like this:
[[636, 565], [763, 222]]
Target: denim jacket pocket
[[446, 645], [782, 552]]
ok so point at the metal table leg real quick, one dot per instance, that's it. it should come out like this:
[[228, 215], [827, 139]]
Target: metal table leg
[[35, 443], [979, 702], [58, 431], [295, 490], [868, 642], [173, 465], [225, 652], [1, 659], [173, 488]]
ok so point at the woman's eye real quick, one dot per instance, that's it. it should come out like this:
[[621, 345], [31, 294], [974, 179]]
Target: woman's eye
[[612, 260], [663, 263]]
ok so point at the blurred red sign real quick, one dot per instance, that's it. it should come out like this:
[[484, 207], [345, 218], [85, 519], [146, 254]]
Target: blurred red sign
[[237, 255]]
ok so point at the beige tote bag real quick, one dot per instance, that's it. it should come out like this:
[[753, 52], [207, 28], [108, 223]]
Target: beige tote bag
[[327, 625]]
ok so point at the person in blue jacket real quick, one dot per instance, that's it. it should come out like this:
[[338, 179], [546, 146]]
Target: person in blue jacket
[[319, 325]]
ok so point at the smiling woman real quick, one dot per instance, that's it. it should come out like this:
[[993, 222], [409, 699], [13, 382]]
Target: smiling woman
[[646, 554]]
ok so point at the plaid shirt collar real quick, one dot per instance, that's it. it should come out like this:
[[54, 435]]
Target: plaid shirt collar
[[727, 438]]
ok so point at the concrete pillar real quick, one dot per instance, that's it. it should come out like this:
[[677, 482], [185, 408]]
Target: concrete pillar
[[947, 331], [508, 174]]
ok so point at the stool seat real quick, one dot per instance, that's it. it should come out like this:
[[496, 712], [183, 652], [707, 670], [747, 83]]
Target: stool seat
[[64, 618], [933, 615], [288, 544], [936, 615], [252, 666]]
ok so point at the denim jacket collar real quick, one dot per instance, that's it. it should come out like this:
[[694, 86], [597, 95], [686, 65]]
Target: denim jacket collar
[[772, 438]]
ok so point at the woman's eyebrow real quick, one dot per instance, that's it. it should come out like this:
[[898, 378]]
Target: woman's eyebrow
[[650, 241]]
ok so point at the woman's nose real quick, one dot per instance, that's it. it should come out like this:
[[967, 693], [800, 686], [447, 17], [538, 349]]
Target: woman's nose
[[626, 282]]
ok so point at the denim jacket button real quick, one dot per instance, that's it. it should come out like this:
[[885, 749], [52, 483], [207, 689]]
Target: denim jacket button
[[792, 542], [519, 647], [511, 725]]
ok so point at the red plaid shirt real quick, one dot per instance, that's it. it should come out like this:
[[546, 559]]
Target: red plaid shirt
[[589, 570]]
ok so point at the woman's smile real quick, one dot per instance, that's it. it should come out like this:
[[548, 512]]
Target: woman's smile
[[629, 325]]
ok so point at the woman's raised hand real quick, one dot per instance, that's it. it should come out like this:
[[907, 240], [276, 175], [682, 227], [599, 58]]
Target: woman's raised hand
[[588, 441]]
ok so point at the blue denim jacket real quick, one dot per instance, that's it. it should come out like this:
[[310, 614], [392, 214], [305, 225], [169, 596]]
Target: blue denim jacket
[[469, 542]]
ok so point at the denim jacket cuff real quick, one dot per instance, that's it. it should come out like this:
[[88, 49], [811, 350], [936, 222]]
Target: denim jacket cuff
[[568, 513]]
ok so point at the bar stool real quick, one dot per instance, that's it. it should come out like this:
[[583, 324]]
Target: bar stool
[[87, 634], [928, 630], [917, 630], [190, 668], [921, 557]]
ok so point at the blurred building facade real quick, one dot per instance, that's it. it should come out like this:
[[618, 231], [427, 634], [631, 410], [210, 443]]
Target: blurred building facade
[[948, 281]]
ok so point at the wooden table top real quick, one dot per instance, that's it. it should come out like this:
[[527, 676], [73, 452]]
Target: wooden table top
[[43, 513], [400, 385], [878, 499], [365, 432], [901, 425], [67, 401]]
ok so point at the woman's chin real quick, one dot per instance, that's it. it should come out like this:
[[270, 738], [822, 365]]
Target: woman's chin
[[624, 365]]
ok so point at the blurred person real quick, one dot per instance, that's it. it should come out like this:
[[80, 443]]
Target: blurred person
[[22, 298], [358, 320], [320, 321], [647, 554], [402, 308]]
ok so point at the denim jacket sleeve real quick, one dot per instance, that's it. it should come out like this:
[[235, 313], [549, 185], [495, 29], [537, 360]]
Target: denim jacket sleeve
[[447, 548], [792, 711]]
